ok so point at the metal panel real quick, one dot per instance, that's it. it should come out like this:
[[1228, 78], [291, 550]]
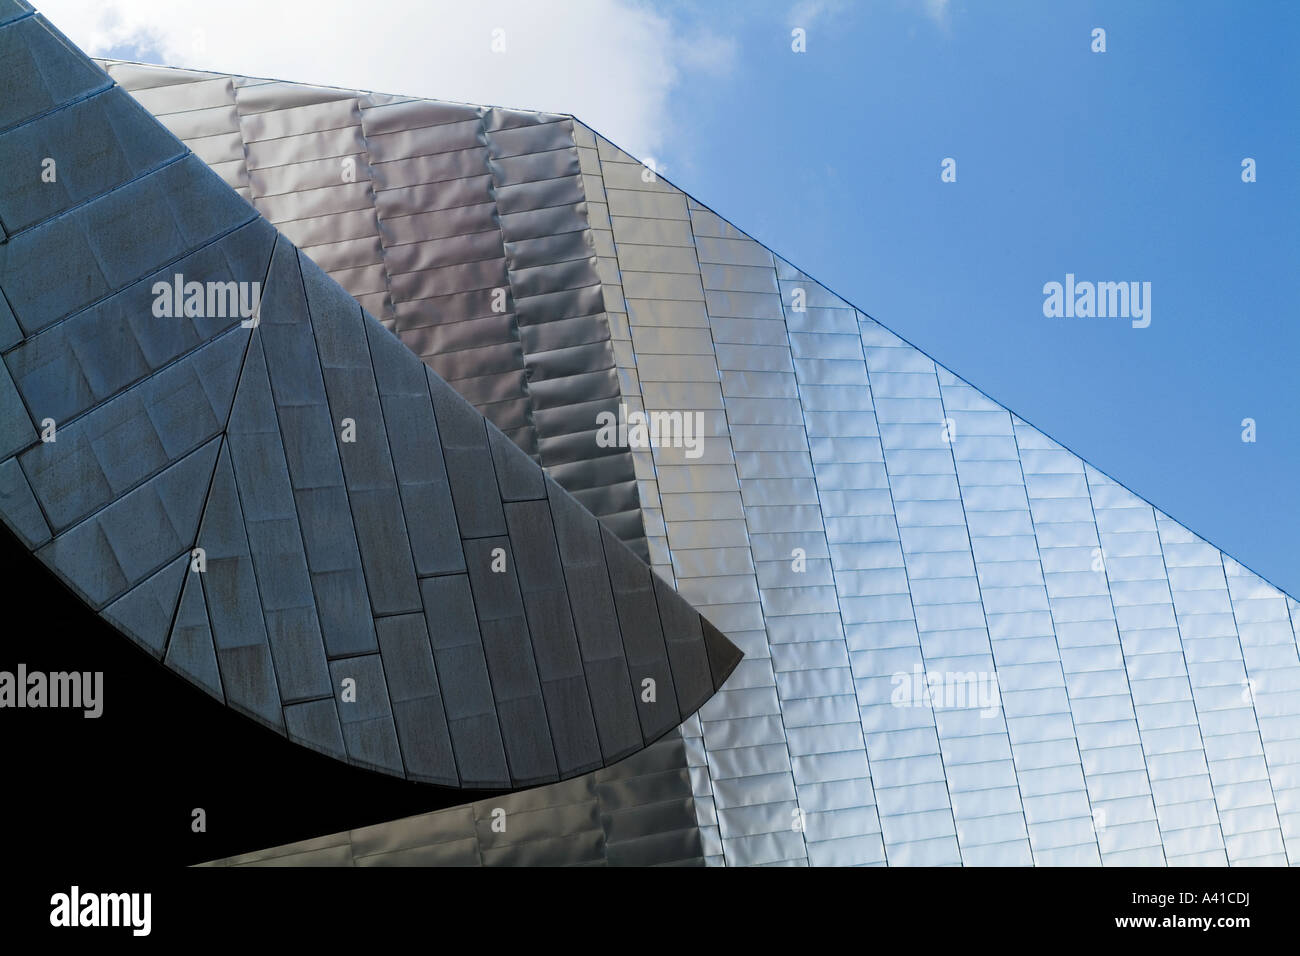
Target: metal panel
[[455, 225], [630, 814], [859, 521], [226, 489], [1092, 657]]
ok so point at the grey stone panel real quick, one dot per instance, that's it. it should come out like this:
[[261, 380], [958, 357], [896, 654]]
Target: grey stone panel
[[19, 508], [517, 479], [350, 382], [10, 333], [13, 9], [596, 626], [190, 649], [315, 471], [463, 678], [416, 697], [145, 612], [168, 213], [108, 553], [365, 712], [41, 70], [68, 368], [469, 462], [96, 145], [417, 456], [16, 430], [315, 724], [274, 535], [234, 604], [101, 455], [511, 660], [643, 640], [686, 649], [555, 644]]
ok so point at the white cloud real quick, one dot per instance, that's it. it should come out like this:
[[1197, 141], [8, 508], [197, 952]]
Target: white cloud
[[708, 53], [613, 63], [806, 12], [937, 10]]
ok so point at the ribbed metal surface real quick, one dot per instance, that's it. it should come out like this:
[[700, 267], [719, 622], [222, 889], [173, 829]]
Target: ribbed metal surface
[[860, 520], [462, 228], [937, 532], [292, 511], [637, 813], [434, 170]]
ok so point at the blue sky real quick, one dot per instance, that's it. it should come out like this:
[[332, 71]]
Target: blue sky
[[1117, 166]]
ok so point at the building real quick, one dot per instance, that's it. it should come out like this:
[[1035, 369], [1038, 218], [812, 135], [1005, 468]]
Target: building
[[962, 644]]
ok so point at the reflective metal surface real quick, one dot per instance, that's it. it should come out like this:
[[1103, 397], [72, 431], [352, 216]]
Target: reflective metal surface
[[636, 813], [462, 228], [213, 446], [892, 521], [964, 645]]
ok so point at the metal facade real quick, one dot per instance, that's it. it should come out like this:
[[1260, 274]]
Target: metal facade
[[284, 505], [861, 515], [462, 228], [1142, 717], [1146, 684], [861, 522]]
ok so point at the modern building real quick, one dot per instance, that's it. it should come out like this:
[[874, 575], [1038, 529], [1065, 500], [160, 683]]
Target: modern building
[[962, 643]]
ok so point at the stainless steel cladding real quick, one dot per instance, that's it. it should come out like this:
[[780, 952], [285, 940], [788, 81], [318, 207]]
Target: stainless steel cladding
[[963, 644]]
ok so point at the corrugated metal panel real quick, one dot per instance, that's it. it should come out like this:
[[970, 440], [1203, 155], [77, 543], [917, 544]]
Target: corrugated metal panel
[[637, 813], [1134, 688], [231, 480], [419, 173], [454, 225]]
